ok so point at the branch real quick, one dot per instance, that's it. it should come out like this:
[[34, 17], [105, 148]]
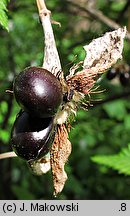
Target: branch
[[51, 58], [41, 5], [7, 155], [98, 15]]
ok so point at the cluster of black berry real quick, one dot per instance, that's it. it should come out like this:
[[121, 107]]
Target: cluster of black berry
[[39, 94], [122, 72]]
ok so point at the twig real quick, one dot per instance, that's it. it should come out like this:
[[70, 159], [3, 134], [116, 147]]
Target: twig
[[9, 91], [7, 155], [51, 58], [41, 5], [98, 15]]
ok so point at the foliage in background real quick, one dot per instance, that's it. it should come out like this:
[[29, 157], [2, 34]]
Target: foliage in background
[[103, 130], [3, 13], [120, 161]]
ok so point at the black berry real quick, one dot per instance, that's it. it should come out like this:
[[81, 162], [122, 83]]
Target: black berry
[[38, 92], [111, 74], [124, 78], [32, 137]]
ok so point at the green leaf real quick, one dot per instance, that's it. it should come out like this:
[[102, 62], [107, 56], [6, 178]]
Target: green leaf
[[119, 162], [3, 5], [3, 15], [4, 135], [22, 193], [119, 6], [115, 109], [3, 107], [127, 122]]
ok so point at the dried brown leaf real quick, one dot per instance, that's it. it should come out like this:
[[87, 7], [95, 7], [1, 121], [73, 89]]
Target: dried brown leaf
[[83, 81], [102, 53], [60, 152]]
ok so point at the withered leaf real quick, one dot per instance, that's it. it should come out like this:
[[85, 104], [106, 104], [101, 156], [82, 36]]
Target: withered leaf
[[102, 53], [60, 152], [83, 81]]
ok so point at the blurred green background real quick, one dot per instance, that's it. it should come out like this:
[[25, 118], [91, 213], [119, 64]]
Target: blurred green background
[[102, 130]]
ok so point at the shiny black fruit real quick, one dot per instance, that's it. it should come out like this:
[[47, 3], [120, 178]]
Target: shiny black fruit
[[125, 78], [38, 92], [31, 137], [111, 74]]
